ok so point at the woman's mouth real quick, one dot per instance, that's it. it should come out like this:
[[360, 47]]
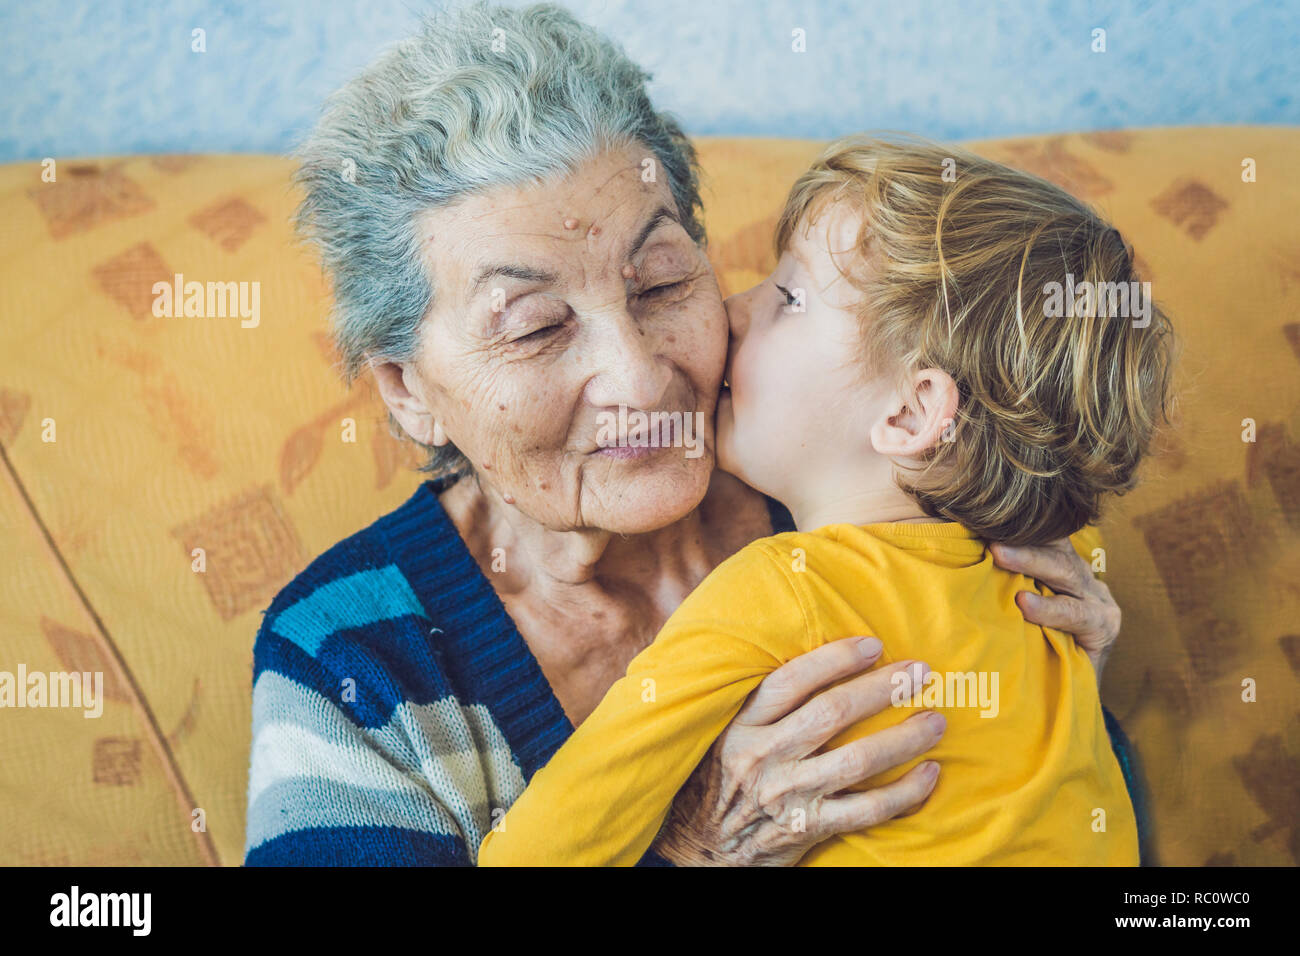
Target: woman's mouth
[[625, 452], [638, 435]]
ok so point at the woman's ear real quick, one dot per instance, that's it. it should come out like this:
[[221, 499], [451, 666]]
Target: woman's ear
[[911, 424], [407, 404]]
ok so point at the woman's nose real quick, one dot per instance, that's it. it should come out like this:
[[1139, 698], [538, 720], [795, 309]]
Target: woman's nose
[[629, 370]]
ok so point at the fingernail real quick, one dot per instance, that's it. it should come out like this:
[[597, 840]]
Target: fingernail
[[936, 720], [869, 647], [917, 670], [930, 768]]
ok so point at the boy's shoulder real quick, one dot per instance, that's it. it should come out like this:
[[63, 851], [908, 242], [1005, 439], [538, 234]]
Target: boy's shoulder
[[752, 592], [777, 558], [1086, 541]]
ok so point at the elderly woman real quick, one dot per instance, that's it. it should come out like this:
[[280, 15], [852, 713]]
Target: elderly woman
[[513, 237]]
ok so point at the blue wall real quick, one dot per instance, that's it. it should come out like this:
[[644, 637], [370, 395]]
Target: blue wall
[[90, 77]]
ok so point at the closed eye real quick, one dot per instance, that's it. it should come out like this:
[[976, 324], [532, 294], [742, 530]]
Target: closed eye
[[666, 292], [537, 333]]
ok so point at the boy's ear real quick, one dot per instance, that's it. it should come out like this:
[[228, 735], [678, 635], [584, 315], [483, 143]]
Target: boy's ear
[[913, 423], [393, 380]]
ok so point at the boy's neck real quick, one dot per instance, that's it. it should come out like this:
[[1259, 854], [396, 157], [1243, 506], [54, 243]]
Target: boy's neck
[[822, 506]]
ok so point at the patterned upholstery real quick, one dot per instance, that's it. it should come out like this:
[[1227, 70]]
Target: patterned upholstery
[[176, 434]]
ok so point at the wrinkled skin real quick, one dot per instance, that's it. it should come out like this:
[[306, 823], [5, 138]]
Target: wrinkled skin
[[591, 550]]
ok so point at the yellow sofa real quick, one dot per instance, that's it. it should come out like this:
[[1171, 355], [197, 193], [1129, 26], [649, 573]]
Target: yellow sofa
[[129, 441]]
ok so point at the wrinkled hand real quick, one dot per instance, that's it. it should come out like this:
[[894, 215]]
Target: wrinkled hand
[[763, 797], [1081, 605]]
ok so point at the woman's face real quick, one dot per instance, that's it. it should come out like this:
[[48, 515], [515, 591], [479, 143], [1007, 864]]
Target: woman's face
[[554, 305]]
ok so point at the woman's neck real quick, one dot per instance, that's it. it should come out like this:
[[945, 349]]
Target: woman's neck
[[587, 602]]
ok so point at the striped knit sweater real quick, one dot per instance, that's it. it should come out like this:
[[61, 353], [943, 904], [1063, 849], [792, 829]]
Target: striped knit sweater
[[397, 710]]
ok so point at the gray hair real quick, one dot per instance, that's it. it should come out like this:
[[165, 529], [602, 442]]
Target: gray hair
[[483, 96]]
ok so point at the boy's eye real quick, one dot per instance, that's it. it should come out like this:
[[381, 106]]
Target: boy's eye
[[790, 298]]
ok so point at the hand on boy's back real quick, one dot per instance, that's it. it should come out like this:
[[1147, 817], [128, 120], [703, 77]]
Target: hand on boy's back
[[738, 807], [1081, 605]]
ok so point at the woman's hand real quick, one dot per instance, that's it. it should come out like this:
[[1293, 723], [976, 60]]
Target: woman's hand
[[761, 796], [1081, 605]]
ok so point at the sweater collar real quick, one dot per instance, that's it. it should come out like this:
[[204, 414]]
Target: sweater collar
[[480, 648]]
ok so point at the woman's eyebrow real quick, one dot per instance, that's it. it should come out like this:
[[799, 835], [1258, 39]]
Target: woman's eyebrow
[[509, 272], [661, 215]]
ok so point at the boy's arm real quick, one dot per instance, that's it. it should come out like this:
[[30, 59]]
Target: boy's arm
[[604, 795]]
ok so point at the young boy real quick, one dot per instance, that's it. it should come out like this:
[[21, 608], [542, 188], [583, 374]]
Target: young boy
[[907, 384]]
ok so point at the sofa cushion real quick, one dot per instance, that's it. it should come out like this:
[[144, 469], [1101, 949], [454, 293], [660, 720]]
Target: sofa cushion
[[134, 444]]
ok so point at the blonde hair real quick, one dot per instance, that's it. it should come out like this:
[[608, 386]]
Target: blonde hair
[[1054, 412]]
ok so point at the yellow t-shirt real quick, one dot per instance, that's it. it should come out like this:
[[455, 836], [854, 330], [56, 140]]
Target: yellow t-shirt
[[1033, 783]]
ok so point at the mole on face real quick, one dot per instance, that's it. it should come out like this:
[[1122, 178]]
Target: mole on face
[[509, 499], [570, 223], [629, 271]]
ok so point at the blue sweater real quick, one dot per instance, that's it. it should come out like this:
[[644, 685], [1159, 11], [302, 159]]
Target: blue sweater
[[395, 705], [397, 711]]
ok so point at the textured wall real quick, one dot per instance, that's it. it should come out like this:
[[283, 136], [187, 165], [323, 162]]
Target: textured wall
[[90, 77]]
